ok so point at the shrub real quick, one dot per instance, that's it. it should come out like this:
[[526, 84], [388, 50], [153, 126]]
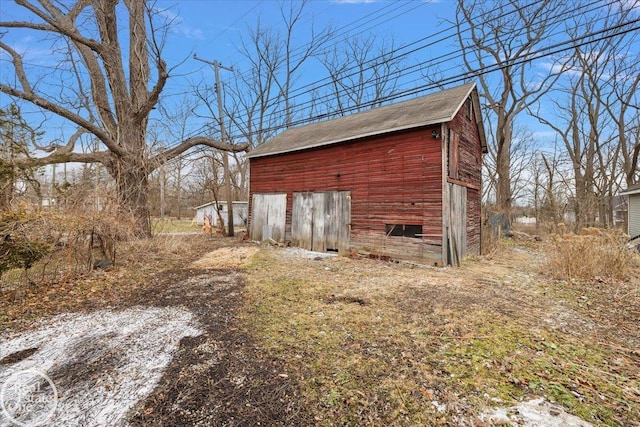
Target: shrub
[[43, 246], [19, 246], [593, 253]]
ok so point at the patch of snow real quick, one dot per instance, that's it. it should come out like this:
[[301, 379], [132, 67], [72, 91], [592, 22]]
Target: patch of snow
[[102, 363], [440, 407], [533, 413], [303, 253]]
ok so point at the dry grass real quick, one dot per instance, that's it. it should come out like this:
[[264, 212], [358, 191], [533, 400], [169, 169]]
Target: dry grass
[[172, 225], [52, 246], [589, 255], [384, 344], [138, 261], [226, 257], [377, 344]]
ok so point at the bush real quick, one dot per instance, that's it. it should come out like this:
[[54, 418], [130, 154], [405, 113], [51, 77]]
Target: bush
[[44, 246], [19, 246], [592, 254]]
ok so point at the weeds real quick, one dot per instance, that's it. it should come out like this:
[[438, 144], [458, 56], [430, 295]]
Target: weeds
[[49, 246], [590, 255]]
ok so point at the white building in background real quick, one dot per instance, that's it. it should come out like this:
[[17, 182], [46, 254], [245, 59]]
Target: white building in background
[[240, 213], [633, 210]]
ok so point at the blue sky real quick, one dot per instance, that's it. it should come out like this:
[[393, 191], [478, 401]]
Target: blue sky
[[213, 29]]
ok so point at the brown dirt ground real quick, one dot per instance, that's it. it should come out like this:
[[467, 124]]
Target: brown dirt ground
[[224, 377], [220, 378]]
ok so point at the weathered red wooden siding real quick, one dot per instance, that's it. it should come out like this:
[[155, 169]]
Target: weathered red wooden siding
[[393, 179], [470, 172]]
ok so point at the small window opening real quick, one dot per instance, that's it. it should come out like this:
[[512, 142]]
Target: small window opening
[[468, 109], [404, 230]]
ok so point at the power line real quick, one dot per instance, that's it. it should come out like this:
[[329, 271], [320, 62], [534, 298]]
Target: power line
[[348, 29], [412, 48], [529, 57], [237, 20], [312, 87], [417, 67]]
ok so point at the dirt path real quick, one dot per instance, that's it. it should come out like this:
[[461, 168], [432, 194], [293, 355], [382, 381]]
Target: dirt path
[[216, 374], [219, 378]]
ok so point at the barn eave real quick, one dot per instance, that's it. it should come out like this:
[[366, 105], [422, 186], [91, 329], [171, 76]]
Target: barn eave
[[351, 138]]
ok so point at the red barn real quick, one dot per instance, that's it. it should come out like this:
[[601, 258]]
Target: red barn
[[401, 181]]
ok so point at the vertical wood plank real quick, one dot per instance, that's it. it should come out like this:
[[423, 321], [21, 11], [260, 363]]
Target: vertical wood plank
[[318, 222], [258, 216], [301, 220], [344, 220], [268, 216], [278, 216]]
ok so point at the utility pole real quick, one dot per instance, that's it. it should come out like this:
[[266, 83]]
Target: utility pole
[[225, 156]]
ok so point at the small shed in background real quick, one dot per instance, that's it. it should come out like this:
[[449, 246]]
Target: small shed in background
[[401, 181], [633, 210], [240, 212]]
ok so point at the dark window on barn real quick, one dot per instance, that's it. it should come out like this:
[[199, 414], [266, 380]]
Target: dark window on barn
[[468, 109], [404, 230]]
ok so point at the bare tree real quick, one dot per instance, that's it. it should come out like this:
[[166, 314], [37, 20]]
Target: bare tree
[[175, 124], [550, 187], [624, 104], [294, 57], [256, 100], [504, 33], [578, 124], [594, 115], [363, 71], [112, 105], [261, 96]]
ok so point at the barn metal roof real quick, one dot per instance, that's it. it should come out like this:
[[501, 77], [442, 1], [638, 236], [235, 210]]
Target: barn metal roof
[[438, 107]]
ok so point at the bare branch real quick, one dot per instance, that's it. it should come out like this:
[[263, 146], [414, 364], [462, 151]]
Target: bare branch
[[59, 22], [63, 112], [154, 95], [19, 67], [77, 9], [99, 157], [59, 149], [195, 141], [29, 25]]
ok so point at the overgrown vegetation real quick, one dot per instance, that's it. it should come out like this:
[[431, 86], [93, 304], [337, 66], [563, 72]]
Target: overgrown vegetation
[[48, 246], [20, 247], [592, 254]]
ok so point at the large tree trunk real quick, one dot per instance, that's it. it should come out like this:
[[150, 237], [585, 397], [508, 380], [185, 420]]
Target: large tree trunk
[[131, 175], [133, 187], [503, 170], [503, 161]]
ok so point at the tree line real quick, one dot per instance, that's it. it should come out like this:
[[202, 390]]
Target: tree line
[[582, 94]]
